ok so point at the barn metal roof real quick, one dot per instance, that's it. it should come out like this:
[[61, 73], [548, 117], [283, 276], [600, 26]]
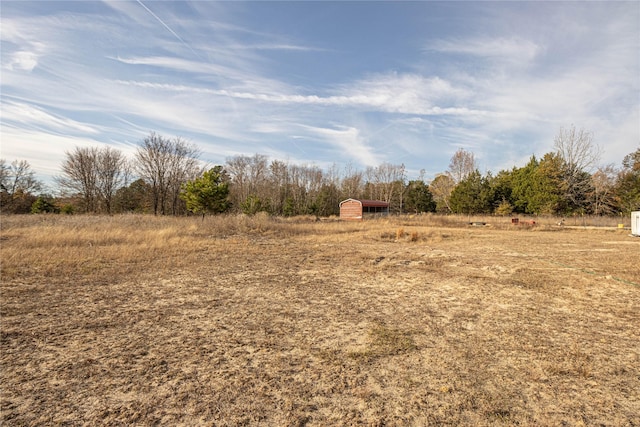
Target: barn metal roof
[[370, 203]]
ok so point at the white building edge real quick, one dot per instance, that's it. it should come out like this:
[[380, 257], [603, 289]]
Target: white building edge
[[635, 223]]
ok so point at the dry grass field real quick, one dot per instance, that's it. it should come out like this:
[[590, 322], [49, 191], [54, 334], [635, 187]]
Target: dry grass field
[[137, 320]]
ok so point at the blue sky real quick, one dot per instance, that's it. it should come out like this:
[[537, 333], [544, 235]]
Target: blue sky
[[322, 83]]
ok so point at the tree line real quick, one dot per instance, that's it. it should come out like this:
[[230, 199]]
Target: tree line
[[166, 177]]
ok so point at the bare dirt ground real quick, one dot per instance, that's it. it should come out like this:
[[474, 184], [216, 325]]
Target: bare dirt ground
[[258, 321]]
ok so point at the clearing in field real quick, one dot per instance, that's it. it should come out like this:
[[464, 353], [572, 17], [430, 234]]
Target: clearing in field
[[259, 321]]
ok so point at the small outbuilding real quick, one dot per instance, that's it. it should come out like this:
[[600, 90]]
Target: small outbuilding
[[353, 209], [635, 223]]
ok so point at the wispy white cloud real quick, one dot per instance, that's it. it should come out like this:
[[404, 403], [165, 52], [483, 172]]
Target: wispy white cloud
[[278, 46], [197, 70], [513, 49], [406, 94], [27, 114], [45, 150], [563, 70], [179, 64], [22, 60], [348, 140], [19, 51]]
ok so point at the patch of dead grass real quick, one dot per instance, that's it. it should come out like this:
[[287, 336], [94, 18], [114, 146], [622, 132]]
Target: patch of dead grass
[[265, 321], [384, 341]]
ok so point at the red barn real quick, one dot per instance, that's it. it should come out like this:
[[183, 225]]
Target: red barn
[[352, 209]]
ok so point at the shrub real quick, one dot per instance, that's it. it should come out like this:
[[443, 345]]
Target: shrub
[[252, 205], [67, 209], [504, 209], [43, 205]]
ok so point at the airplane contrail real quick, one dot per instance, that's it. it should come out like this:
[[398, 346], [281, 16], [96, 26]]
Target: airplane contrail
[[167, 27]]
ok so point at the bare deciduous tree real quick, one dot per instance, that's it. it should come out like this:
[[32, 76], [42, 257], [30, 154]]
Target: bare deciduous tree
[[249, 177], [603, 195], [352, 182], [384, 181], [165, 164], [95, 174], [17, 186], [80, 175], [4, 175], [462, 164], [306, 182], [184, 167], [153, 159], [18, 177], [112, 174], [280, 185], [580, 155]]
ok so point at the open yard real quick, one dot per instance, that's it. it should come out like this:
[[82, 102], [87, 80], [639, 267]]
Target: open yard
[[257, 321]]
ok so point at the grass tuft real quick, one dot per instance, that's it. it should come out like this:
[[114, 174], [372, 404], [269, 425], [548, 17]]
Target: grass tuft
[[384, 341]]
